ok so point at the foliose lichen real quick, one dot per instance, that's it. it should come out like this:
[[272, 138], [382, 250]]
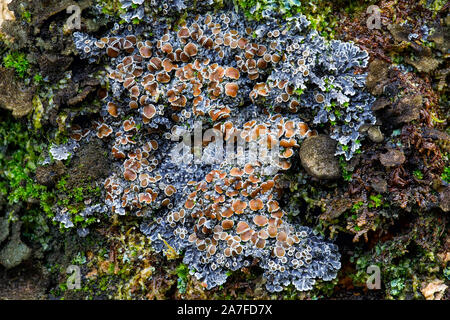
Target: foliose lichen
[[261, 83]]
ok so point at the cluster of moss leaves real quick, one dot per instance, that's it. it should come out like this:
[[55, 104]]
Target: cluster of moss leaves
[[73, 199], [321, 14], [17, 61], [20, 151], [22, 197], [408, 261]]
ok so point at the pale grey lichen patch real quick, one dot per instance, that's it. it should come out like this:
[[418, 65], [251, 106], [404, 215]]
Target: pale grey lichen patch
[[217, 70]]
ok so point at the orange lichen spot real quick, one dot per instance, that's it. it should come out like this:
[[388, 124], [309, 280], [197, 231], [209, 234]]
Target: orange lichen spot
[[267, 186], [279, 252], [130, 175], [249, 168], [276, 58], [192, 238], [168, 65], [261, 50], [228, 212], [253, 74], [145, 198], [128, 83], [320, 98], [242, 227], [302, 129], [104, 131], [227, 224], [209, 177], [155, 64], [256, 204], [282, 236], [218, 189], [145, 52], [261, 88], [133, 104], [290, 129], [220, 199], [277, 214], [285, 165], [232, 193], [293, 106], [189, 204], [260, 243], [143, 99], [285, 143], [112, 109], [231, 89], [118, 154], [163, 77], [183, 33], [217, 74], [227, 252], [143, 176], [241, 43], [239, 206], [144, 183], [207, 43], [273, 206], [260, 221], [212, 249], [112, 52], [254, 179], [167, 48], [232, 73], [196, 90], [190, 49], [288, 153], [76, 136], [129, 125], [312, 133], [170, 190], [236, 172], [149, 111], [263, 234], [273, 231], [148, 79], [135, 91], [179, 102], [222, 113], [201, 247], [261, 63], [246, 236]]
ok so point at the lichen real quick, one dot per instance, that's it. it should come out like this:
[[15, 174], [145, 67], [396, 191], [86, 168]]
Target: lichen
[[245, 80]]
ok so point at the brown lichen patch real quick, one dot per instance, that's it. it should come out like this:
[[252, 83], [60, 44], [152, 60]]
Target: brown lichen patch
[[14, 96], [392, 158]]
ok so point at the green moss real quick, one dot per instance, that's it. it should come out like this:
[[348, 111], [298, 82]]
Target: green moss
[[319, 12], [346, 174], [446, 174], [111, 7], [375, 201], [182, 272], [434, 5], [418, 174], [406, 261], [20, 151], [38, 112], [73, 199], [18, 62], [26, 16]]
